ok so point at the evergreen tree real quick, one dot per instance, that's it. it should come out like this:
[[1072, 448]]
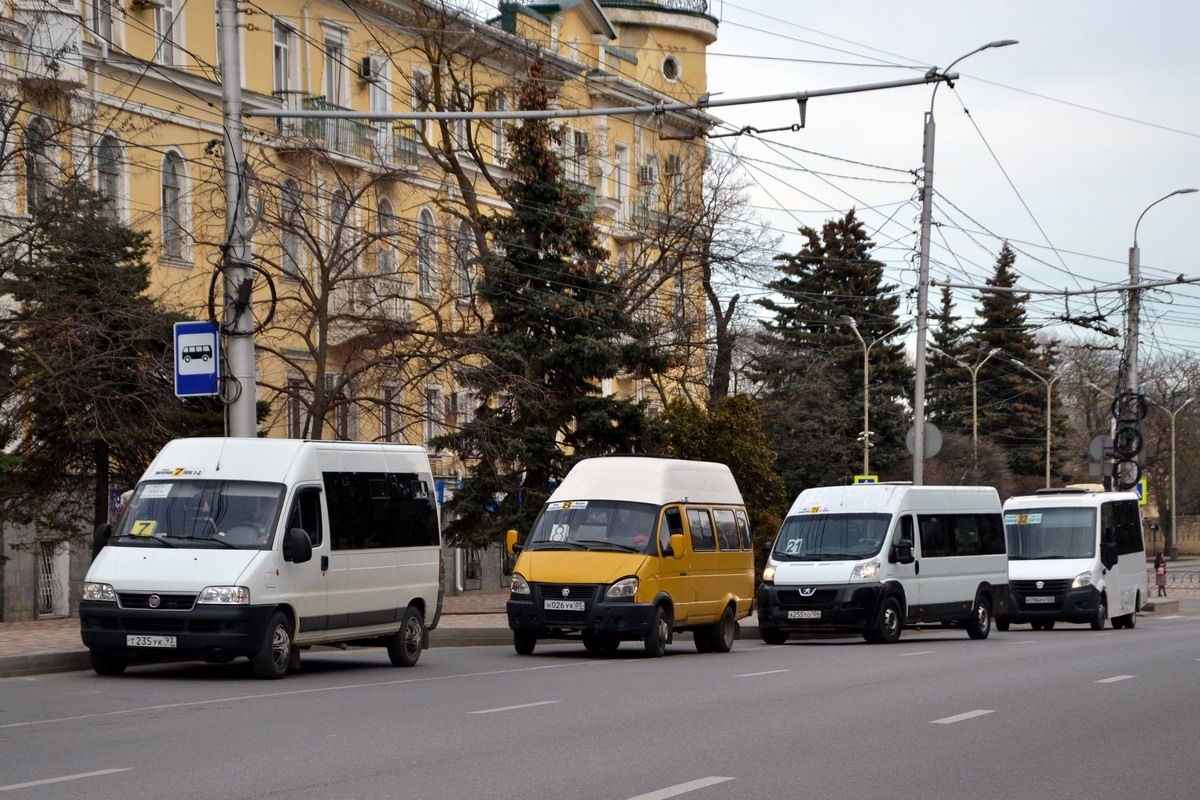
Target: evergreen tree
[[557, 327], [948, 385], [1012, 402], [91, 396], [812, 376]]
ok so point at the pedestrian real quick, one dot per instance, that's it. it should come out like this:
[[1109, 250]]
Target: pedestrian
[[1160, 574]]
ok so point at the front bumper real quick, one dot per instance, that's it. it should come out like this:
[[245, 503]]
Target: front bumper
[[202, 632], [837, 607], [1067, 604], [621, 618]]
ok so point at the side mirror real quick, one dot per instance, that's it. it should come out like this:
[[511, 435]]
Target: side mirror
[[677, 545], [510, 543], [297, 547], [902, 552], [766, 550], [1154, 526], [1108, 554], [100, 537]]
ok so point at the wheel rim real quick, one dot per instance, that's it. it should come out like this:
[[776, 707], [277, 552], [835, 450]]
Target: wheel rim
[[281, 647], [891, 621], [412, 637], [981, 617], [663, 632]]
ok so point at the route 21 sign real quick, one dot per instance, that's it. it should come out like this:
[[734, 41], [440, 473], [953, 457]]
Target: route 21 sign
[[197, 359]]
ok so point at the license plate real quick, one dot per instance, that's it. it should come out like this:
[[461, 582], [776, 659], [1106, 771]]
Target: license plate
[[1039, 599], [150, 641], [564, 605], [804, 615]]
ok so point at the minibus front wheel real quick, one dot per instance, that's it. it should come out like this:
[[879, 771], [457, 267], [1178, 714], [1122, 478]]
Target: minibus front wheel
[[660, 631], [105, 663], [524, 642], [271, 659], [404, 647]]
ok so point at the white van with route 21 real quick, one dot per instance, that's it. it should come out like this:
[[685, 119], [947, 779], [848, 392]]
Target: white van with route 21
[[873, 558], [259, 547]]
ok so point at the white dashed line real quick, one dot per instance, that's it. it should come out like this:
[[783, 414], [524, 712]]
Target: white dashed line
[[960, 717], [681, 788], [1116, 678], [756, 674], [514, 708], [919, 653], [76, 777]]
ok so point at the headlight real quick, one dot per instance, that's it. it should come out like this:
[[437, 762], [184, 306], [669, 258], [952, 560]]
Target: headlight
[[626, 587], [519, 585], [769, 573], [865, 571], [1081, 580], [99, 591], [224, 596]]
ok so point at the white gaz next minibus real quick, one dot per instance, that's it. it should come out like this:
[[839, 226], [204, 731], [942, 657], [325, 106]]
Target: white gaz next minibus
[[1075, 555], [873, 558], [256, 547]]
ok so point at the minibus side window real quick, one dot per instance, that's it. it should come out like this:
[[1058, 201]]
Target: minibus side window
[[306, 514], [702, 530], [1129, 528], [673, 523], [727, 533], [744, 530]]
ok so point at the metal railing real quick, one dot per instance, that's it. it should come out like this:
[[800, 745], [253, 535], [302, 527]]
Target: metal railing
[[1176, 580], [348, 136], [695, 6]]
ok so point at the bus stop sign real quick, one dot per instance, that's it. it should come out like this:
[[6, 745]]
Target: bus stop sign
[[197, 359]]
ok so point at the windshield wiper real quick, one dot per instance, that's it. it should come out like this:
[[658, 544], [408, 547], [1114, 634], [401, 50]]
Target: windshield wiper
[[556, 546], [221, 542], [609, 545], [155, 538]]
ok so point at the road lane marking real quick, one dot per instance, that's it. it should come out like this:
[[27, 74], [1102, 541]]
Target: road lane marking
[[1174, 616], [1116, 678], [960, 717], [1110, 633], [756, 674], [297, 692], [681, 788], [514, 708], [919, 653], [75, 777], [1023, 641]]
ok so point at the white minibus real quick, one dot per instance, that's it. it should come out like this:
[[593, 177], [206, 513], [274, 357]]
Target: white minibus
[[259, 547], [1075, 555], [873, 558]]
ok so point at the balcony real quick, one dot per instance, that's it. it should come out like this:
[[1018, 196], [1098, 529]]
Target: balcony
[[406, 144], [347, 136], [589, 196]]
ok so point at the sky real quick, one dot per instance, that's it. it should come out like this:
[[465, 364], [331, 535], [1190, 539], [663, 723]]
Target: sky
[[1070, 135]]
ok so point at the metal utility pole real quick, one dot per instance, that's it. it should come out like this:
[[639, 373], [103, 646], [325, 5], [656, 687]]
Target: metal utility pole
[[238, 321], [1133, 311], [923, 275]]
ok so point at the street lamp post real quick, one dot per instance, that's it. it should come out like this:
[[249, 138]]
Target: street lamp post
[[1133, 311], [848, 320], [923, 277], [1175, 542], [974, 397], [1049, 399]]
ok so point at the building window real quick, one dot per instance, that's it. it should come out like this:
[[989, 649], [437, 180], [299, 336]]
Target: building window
[[426, 254], [434, 413], [422, 99], [168, 28], [174, 222], [498, 101], [284, 40], [577, 156], [38, 155], [290, 221], [108, 175], [385, 254], [461, 100], [391, 417], [671, 68], [102, 20], [464, 263], [336, 84], [297, 416]]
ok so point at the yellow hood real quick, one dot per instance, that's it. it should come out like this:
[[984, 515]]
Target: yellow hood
[[577, 566]]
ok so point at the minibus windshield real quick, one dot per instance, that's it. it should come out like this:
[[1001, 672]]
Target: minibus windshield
[[595, 525], [1040, 533], [239, 515], [831, 537]]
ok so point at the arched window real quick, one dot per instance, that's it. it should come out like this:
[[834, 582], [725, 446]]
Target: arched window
[[108, 174], [426, 254], [38, 146], [385, 254], [174, 219], [291, 201], [464, 263]]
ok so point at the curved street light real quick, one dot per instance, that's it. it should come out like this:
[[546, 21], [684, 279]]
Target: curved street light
[[923, 275], [849, 320], [1049, 400], [974, 396]]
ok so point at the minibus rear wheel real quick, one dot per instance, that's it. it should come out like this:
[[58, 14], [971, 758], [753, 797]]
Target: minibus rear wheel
[[980, 623], [721, 635], [404, 647]]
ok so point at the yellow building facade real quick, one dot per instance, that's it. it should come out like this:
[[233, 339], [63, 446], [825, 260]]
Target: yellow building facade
[[367, 232]]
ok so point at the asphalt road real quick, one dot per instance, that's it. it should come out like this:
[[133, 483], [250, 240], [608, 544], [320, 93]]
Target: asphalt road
[[1023, 714]]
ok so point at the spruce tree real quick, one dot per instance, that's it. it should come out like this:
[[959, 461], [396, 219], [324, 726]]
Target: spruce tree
[[557, 328], [1012, 402], [948, 387], [812, 377]]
